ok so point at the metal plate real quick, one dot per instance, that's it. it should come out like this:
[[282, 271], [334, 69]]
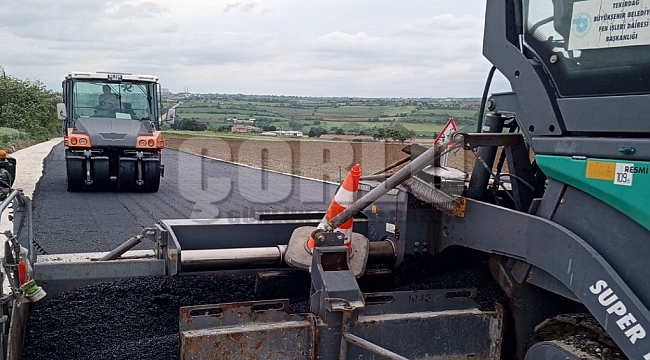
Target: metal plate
[[247, 330]]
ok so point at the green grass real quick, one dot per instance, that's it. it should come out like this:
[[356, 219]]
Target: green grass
[[459, 113], [425, 116]]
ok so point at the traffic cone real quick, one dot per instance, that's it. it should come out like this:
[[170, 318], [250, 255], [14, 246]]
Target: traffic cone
[[344, 197], [22, 273]]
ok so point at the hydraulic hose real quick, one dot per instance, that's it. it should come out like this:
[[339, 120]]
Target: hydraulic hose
[[486, 90]]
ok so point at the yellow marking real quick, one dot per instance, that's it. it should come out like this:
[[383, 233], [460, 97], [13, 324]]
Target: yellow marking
[[374, 209], [460, 208], [600, 170]]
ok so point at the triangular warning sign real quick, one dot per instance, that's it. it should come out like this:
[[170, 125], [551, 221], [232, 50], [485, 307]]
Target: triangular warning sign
[[446, 131]]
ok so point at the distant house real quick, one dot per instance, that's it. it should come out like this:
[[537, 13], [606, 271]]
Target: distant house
[[243, 121], [245, 129], [283, 133], [290, 133]]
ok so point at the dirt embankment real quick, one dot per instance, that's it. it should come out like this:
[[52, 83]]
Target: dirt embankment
[[322, 160]]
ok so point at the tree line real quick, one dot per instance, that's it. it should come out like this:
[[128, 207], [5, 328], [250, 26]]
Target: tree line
[[28, 108]]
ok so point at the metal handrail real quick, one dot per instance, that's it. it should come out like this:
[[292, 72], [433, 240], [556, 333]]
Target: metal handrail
[[8, 200]]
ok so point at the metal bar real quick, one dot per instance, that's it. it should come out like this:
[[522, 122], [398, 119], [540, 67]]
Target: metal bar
[[5, 203], [89, 181], [380, 252], [124, 247], [393, 165], [379, 177], [373, 348], [302, 215], [129, 244], [61, 276], [229, 258], [473, 140], [345, 329], [399, 177], [17, 330], [478, 186]]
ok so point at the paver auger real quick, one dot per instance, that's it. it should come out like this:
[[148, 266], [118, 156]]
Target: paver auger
[[565, 236]]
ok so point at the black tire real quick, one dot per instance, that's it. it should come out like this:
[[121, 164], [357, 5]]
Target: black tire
[[5, 179], [151, 175], [127, 175], [101, 174], [75, 175]]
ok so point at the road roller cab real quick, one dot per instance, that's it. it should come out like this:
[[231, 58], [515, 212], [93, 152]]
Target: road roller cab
[[112, 131]]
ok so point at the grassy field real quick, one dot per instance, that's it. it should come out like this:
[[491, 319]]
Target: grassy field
[[352, 116]]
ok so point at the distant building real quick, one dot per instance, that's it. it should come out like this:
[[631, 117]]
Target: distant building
[[243, 121], [289, 133], [245, 129]]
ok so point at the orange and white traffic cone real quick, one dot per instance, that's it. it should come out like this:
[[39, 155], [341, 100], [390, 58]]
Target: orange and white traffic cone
[[344, 197]]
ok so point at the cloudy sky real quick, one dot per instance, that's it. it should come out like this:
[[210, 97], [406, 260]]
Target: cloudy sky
[[414, 48]]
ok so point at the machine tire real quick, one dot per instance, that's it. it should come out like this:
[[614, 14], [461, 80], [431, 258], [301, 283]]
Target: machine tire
[[6, 179], [151, 175], [581, 331], [101, 174], [127, 175], [75, 175]]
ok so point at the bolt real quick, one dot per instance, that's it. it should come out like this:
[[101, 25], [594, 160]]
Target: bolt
[[562, 201], [553, 59], [425, 243], [425, 250], [417, 243], [491, 104]]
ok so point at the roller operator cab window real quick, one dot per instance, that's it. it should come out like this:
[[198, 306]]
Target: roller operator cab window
[[112, 100], [591, 47]]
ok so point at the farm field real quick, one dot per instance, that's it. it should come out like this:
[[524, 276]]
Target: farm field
[[343, 116]]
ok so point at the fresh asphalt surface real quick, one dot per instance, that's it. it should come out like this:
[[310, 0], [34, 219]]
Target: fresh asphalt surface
[[137, 318], [192, 188]]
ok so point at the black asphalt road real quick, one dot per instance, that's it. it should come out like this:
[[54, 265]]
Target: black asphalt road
[[193, 187], [137, 318]]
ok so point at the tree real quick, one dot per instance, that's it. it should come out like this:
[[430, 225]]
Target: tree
[[395, 132], [28, 107], [380, 134], [317, 131], [190, 125], [295, 125]]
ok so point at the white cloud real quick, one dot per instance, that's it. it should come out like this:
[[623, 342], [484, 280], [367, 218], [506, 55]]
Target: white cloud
[[361, 48]]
